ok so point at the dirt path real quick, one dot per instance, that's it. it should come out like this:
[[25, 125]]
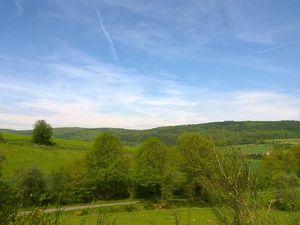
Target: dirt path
[[70, 208]]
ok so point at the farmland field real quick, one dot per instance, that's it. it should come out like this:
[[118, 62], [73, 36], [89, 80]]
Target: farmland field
[[292, 141], [256, 148]]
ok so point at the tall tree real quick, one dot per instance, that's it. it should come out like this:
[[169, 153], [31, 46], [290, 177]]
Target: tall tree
[[42, 133], [196, 152], [107, 167], [150, 167]]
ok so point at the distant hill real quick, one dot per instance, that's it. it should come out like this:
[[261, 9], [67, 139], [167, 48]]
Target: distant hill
[[224, 133]]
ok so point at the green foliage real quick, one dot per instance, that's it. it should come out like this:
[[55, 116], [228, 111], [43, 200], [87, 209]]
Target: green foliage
[[295, 151], [278, 161], [32, 185], [79, 188], [235, 189], [287, 195], [9, 204], [2, 139], [107, 167], [288, 199], [282, 168], [39, 217], [9, 201], [174, 177], [42, 133], [107, 148], [196, 162], [150, 167], [59, 187], [2, 158]]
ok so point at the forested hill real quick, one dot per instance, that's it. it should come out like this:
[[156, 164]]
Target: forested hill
[[228, 132]]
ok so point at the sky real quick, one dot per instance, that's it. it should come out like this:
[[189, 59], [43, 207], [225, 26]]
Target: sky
[[140, 64]]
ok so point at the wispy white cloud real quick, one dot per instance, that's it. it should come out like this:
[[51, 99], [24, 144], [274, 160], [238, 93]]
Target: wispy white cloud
[[148, 113], [103, 95]]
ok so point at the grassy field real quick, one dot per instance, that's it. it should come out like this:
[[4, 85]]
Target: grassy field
[[20, 152], [157, 217], [197, 216], [256, 148], [292, 141]]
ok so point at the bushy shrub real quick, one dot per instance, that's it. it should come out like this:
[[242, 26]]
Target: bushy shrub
[[287, 195], [288, 199], [59, 186], [265, 198], [42, 133], [32, 185], [9, 204], [39, 217]]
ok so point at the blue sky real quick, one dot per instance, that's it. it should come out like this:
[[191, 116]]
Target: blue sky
[[142, 64]]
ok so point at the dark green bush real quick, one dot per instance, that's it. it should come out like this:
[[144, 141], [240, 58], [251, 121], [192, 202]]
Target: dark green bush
[[42, 133], [9, 204], [32, 185], [2, 139], [288, 199]]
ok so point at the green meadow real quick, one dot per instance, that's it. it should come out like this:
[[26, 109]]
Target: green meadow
[[20, 152], [193, 215]]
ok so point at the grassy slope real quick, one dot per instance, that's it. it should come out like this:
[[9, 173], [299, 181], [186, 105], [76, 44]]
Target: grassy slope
[[20, 153]]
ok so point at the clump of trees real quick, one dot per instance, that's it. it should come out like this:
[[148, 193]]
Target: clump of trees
[[282, 169], [42, 133], [149, 168]]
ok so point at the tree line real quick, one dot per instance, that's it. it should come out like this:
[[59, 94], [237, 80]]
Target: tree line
[[223, 133]]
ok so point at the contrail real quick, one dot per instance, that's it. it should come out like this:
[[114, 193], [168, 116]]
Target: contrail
[[279, 46], [19, 5], [102, 28]]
